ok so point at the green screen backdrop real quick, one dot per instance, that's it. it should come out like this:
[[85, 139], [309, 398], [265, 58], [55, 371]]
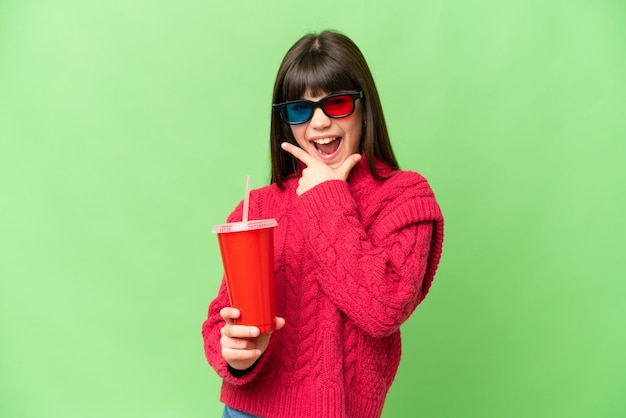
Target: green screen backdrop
[[127, 129]]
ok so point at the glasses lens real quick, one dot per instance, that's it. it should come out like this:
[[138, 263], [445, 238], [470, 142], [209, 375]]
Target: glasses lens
[[338, 106], [297, 112]]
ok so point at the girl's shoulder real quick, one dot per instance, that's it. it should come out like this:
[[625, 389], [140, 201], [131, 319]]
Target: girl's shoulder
[[399, 183], [408, 182]]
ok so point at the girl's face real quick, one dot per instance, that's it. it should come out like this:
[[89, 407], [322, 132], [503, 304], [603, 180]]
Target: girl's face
[[328, 139]]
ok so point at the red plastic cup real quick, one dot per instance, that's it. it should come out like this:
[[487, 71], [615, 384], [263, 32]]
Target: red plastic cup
[[247, 250]]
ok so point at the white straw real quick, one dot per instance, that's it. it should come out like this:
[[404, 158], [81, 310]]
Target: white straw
[[246, 200]]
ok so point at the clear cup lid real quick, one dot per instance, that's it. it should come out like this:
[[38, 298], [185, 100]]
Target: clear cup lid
[[244, 226]]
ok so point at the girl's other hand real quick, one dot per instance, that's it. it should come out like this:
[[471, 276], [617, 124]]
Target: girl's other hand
[[242, 345]]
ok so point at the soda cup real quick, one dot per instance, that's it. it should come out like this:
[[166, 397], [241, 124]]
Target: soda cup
[[247, 250]]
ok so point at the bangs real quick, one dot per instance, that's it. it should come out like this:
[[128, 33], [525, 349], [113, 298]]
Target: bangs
[[319, 74]]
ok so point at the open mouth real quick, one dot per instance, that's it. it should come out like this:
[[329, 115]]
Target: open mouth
[[327, 146]]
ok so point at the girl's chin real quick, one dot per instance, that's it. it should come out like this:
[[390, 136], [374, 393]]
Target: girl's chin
[[335, 163]]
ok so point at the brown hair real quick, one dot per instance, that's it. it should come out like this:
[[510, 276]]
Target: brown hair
[[327, 62]]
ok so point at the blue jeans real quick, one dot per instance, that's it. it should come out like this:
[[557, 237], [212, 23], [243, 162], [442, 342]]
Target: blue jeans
[[234, 413]]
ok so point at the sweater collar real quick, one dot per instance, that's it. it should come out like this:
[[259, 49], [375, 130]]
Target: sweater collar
[[360, 173]]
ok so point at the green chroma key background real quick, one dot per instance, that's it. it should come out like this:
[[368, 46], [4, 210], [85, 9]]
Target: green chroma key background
[[127, 129]]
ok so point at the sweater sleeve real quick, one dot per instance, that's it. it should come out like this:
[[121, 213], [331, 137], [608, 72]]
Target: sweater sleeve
[[376, 276]]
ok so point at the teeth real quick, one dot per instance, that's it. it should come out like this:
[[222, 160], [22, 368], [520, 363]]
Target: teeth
[[324, 141]]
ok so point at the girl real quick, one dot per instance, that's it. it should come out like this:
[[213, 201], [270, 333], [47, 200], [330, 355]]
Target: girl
[[356, 248]]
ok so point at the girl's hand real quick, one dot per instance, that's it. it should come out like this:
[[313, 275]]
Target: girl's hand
[[242, 345], [316, 171]]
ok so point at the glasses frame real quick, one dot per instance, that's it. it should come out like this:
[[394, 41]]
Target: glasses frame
[[280, 107]]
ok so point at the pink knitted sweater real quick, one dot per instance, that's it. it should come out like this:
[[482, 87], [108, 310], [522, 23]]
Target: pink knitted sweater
[[352, 261]]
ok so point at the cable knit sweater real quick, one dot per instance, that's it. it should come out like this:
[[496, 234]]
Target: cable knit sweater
[[352, 261]]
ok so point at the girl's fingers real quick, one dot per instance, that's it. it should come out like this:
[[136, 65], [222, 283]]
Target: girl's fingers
[[239, 331], [229, 314], [232, 355], [299, 153], [237, 343]]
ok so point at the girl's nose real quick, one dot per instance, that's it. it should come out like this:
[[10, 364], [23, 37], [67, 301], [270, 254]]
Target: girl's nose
[[319, 120]]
